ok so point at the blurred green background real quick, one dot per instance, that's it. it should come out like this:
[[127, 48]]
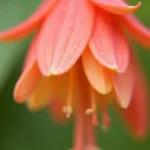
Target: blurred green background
[[23, 130]]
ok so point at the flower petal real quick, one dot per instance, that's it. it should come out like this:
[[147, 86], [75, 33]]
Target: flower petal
[[49, 88], [24, 28], [136, 114], [42, 94], [26, 83], [98, 76], [102, 43], [116, 6], [122, 50], [124, 85], [108, 43], [137, 29], [64, 36], [30, 76]]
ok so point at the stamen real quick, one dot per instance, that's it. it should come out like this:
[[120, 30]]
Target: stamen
[[106, 122], [68, 111], [105, 117], [90, 134], [91, 110], [95, 121], [68, 108]]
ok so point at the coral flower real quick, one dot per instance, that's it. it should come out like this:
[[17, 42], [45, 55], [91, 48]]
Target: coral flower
[[79, 59]]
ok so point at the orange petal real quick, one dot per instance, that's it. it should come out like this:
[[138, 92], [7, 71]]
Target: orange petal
[[49, 88], [26, 27], [42, 94], [64, 36], [137, 29], [30, 76], [98, 76], [108, 43], [123, 85], [136, 114], [26, 83], [116, 6]]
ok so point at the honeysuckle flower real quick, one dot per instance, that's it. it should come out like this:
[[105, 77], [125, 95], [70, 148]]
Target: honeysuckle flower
[[80, 58]]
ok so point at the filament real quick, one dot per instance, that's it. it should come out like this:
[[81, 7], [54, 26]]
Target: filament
[[93, 102], [105, 117]]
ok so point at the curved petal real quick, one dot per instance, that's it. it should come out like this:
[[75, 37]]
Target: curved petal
[[64, 36], [136, 114], [30, 76], [102, 42], [137, 29], [98, 76], [116, 6], [26, 27], [48, 89], [108, 43], [43, 93], [122, 50], [124, 85]]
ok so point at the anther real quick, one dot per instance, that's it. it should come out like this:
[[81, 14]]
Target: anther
[[89, 111], [68, 111]]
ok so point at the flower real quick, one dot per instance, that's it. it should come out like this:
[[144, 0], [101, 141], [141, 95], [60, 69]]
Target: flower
[[78, 59]]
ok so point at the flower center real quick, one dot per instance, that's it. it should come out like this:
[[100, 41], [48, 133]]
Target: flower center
[[85, 110]]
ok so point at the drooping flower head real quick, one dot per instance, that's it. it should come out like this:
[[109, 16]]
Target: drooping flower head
[[78, 59]]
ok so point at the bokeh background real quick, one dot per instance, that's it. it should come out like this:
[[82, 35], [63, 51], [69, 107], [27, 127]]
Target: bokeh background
[[23, 130]]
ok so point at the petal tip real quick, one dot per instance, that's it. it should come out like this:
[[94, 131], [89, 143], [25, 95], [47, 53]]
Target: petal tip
[[55, 71], [134, 8], [124, 104], [17, 97], [137, 6], [117, 7], [122, 70], [106, 90], [115, 68]]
